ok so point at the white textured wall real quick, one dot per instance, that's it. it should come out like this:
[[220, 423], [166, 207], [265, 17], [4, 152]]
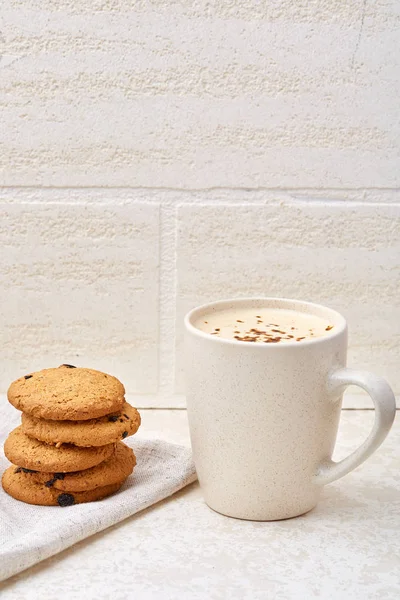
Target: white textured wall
[[154, 155]]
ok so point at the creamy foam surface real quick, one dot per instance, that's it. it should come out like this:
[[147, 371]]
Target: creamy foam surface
[[264, 325]]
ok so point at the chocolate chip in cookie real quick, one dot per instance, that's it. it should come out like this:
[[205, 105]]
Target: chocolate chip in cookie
[[65, 499], [19, 469], [56, 477]]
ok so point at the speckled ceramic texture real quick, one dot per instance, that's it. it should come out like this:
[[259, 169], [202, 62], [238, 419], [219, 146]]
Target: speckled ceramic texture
[[263, 417]]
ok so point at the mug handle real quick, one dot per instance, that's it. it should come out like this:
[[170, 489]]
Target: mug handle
[[385, 410]]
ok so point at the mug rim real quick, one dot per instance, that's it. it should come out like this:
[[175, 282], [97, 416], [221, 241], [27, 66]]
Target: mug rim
[[291, 304]]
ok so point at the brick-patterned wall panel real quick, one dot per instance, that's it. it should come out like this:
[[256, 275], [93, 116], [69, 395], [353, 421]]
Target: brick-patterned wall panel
[[199, 94], [79, 285]]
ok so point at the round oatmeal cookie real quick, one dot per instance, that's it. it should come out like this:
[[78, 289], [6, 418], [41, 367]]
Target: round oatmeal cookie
[[113, 470], [67, 393], [29, 453], [93, 432], [21, 486]]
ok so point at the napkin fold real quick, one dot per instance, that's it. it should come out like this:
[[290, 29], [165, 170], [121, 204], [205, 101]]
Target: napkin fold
[[29, 534]]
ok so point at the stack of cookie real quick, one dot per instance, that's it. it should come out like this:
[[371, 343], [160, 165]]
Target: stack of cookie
[[68, 447]]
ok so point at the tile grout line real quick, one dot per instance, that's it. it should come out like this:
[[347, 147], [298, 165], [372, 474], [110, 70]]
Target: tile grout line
[[199, 189], [167, 295], [221, 197]]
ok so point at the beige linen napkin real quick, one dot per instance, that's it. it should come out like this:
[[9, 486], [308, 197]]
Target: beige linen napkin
[[29, 534]]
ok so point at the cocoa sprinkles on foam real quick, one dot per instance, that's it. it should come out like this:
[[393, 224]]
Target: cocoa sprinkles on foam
[[271, 333]]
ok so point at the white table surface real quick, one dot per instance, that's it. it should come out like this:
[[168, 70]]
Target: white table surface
[[346, 548]]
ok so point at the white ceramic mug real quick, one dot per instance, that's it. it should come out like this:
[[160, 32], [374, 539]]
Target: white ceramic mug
[[264, 417]]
